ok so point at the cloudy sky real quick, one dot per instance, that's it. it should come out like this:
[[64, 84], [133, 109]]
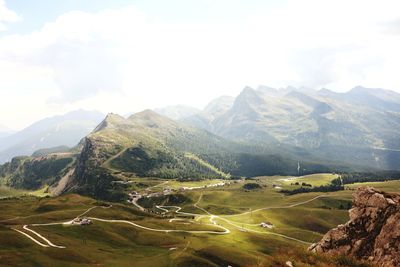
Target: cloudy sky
[[124, 56]]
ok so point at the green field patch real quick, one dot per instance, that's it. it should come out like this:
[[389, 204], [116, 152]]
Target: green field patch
[[312, 179]]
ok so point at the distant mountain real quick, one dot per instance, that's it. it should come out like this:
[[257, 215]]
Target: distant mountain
[[213, 110], [63, 130], [177, 112], [5, 131], [379, 99], [219, 105], [357, 127]]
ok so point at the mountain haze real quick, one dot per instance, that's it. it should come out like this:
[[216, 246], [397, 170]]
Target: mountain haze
[[5, 131], [62, 130], [177, 112], [262, 131]]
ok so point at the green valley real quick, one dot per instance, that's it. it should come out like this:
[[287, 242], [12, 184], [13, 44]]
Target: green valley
[[209, 226]]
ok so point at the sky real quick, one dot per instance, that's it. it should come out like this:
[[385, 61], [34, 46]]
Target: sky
[[125, 56]]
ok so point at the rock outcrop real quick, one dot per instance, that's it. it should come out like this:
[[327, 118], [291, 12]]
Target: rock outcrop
[[373, 232]]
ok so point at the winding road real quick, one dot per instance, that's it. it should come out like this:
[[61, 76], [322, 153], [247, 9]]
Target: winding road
[[232, 223], [212, 218]]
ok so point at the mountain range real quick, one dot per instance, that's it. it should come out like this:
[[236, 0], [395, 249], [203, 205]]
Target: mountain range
[[62, 130], [358, 127], [147, 144], [263, 131]]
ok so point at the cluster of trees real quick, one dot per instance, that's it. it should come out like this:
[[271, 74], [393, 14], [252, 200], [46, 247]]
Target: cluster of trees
[[250, 165], [346, 178], [98, 184], [362, 177], [169, 200], [30, 173], [156, 162], [322, 188], [251, 186], [302, 184]]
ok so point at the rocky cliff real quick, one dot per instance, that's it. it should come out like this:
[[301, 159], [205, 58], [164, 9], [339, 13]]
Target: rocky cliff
[[373, 232]]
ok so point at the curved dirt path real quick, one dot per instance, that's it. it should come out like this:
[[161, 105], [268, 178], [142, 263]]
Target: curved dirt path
[[280, 207], [31, 238], [42, 237], [226, 230]]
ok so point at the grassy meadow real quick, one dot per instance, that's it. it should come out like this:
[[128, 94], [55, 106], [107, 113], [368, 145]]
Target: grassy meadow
[[297, 220]]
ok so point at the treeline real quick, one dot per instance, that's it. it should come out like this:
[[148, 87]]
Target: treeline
[[155, 162], [347, 178], [363, 177], [250, 165], [322, 188], [30, 173]]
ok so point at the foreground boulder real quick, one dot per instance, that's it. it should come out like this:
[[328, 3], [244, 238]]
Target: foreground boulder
[[373, 232]]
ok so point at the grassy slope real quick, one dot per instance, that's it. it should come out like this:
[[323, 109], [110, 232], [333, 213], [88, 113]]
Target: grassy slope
[[10, 192], [313, 179], [206, 164]]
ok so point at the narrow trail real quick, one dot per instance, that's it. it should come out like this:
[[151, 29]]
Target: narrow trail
[[31, 238], [157, 185], [264, 232], [183, 250], [280, 207], [134, 202], [226, 230], [42, 237]]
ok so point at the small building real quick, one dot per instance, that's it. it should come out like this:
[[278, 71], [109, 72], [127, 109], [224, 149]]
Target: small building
[[81, 221], [266, 225], [167, 191]]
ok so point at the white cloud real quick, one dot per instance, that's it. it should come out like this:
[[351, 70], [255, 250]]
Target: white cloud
[[124, 60], [6, 16]]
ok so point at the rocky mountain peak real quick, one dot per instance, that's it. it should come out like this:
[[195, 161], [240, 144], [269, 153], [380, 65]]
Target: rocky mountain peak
[[373, 231], [248, 97], [110, 120]]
